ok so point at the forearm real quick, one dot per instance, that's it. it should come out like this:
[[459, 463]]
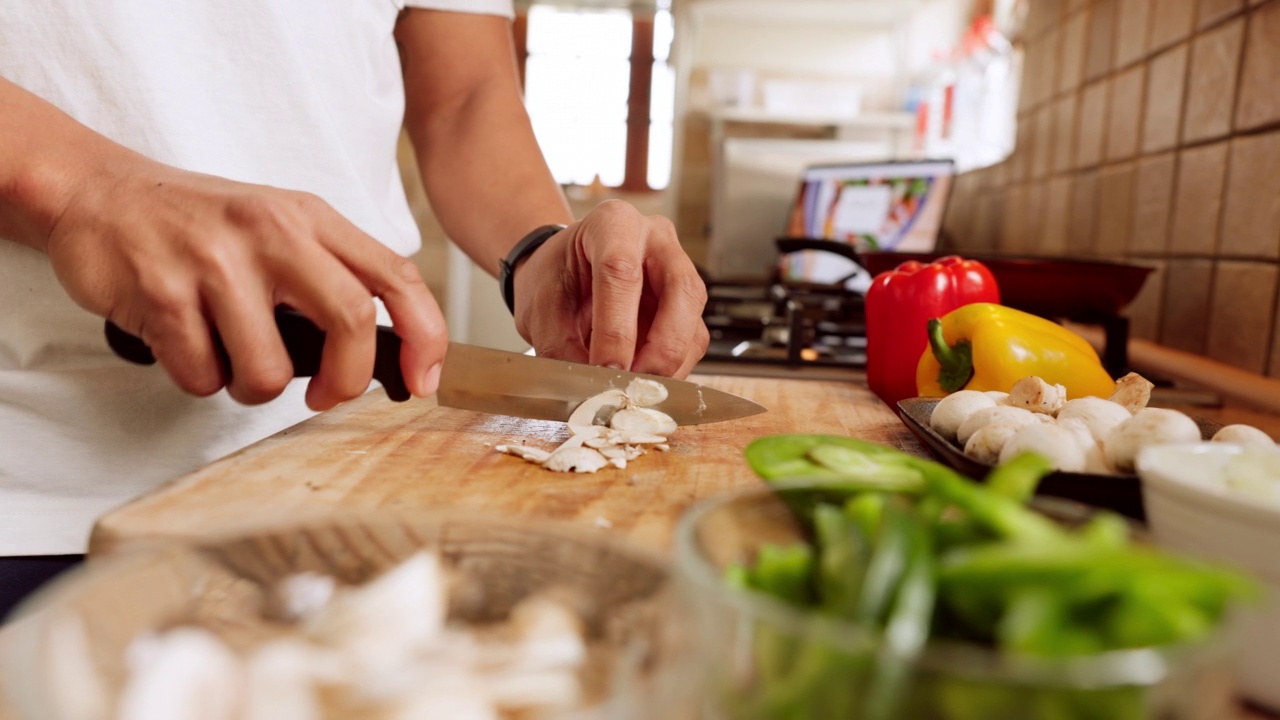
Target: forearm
[[44, 155], [486, 177], [483, 171]]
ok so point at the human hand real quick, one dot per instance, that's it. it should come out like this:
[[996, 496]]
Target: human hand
[[614, 289], [171, 256]]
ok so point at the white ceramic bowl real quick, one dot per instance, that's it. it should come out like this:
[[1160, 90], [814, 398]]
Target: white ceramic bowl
[[1191, 510]]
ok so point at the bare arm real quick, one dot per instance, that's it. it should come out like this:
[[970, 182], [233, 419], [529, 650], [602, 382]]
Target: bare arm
[[173, 256], [615, 288], [480, 162], [42, 153]]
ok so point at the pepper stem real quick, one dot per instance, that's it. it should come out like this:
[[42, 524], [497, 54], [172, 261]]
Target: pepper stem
[[956, 361]]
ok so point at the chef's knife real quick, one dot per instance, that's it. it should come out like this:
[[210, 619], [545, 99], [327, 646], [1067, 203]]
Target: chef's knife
[[482, 379]]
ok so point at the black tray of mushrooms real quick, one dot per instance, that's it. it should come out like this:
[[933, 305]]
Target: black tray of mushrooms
[[1093, 442]]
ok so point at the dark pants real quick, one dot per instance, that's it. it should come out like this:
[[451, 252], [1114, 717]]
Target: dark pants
[[20, 576]]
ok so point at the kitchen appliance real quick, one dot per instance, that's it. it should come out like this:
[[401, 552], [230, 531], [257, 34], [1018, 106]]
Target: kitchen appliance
[[806, 324], [476, 378]]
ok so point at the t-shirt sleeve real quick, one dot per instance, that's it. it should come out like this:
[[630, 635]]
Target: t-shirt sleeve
[[504, 8]]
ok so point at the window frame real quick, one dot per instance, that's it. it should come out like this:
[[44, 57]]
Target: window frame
[[640, 94]]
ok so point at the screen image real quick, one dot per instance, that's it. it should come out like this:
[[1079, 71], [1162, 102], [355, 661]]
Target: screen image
[[893, 207]]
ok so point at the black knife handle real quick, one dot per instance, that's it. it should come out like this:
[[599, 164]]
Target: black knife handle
[[303, 340]]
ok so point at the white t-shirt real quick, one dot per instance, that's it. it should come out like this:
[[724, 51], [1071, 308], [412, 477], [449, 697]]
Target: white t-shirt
[[299, 94]]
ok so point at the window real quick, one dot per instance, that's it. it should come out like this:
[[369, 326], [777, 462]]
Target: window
[[601, 93]]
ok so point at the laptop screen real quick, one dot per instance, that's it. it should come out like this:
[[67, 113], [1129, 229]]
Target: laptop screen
[[893, 207]]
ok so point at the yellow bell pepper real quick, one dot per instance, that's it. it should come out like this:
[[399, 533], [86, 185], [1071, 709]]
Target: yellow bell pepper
[[990, 347]]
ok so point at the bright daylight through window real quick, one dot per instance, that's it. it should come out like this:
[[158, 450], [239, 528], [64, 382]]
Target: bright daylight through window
[[578, 80]]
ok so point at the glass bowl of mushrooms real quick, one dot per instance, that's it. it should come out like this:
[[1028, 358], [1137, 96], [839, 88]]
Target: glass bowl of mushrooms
[[357, 616]]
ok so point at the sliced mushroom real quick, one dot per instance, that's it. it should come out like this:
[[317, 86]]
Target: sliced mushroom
[[1034, 394], [646, 393], [642, 421], [598, 409], [575, 459], [532, 454], [1133, 392]]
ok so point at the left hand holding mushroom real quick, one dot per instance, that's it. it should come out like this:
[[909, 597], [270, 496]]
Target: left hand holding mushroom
[[614, 289]]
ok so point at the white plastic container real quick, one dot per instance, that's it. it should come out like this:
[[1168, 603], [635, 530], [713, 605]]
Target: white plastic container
[[1191, 509]]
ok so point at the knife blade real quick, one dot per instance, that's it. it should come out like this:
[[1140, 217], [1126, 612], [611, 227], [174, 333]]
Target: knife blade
[[482, 379], [506, 383]]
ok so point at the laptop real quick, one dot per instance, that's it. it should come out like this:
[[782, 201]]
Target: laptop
[[875, 207]]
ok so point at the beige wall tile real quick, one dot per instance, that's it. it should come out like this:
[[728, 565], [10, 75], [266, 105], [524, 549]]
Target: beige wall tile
[[957, 224], [1251, 214], [1197, 201], [987, 221], [1184, 321], [1215, 63], [1064, 132], [1057, 216], [1101, 41], [1015, 237], [1042, 158], [1241, 313], [1170, 22], [1209, 12], [1259, 102], [1040, 73], [1115, 209], [1166, 81], [1152, 205], [1091, 126], [1037, 207], [1125, 123], [1144, 312], [1019, 163], [1132, 23], [1071, 62], [1043, 16], [1082, 230]]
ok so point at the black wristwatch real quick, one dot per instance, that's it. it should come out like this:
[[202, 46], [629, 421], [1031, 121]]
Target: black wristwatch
[[507, 266]]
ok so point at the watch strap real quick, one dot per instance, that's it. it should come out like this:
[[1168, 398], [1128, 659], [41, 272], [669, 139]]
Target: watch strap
[[507, 265]]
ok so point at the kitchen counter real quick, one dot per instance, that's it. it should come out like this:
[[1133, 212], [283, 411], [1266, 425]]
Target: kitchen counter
[[371, 453]]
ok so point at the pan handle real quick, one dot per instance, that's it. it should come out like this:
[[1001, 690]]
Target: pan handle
[[786, 246]]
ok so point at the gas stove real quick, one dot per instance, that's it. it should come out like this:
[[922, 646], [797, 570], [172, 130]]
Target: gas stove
[[786, 324]]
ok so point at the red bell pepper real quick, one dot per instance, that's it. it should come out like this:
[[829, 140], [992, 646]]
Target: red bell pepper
[[899, 305]]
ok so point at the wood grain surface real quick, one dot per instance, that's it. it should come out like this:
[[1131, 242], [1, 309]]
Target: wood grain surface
[[373, 453]]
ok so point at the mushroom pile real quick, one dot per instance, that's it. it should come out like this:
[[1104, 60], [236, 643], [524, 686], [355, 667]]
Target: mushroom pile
[[612, 428], [1090, 434], [380, 650]]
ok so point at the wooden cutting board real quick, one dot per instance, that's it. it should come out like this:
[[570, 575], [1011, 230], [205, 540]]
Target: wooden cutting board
[[372, 453]]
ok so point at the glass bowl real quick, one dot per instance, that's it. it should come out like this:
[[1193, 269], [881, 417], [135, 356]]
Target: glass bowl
[[65, 653], [765, 659]]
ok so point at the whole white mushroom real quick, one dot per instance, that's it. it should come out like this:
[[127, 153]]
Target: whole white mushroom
[[1243, 435], [1149, 426], [1060, 445], [1097, 414], [985, 444], [995, 414], [955, 409]]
